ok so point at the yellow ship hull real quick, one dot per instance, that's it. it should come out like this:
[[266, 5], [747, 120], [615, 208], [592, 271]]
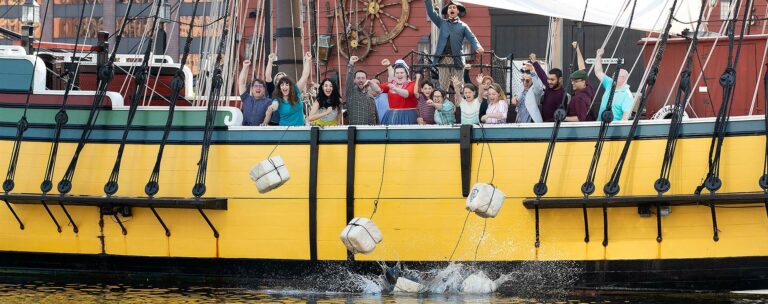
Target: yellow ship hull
[[420, 209]]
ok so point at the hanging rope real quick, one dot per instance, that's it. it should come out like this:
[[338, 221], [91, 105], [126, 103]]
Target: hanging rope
[[764, 179], [662, 185], [177, 84], [140, 79], [612, 186], [23, 124], [61, 117], [712, 180], [762, 65], [607, 117], [105, 76], [540, 188], [199, 188], [383, 166]]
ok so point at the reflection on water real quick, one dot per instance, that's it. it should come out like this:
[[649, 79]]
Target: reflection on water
[[74, 293]]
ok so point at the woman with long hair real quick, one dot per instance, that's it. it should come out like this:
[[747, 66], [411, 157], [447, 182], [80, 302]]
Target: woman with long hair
[[325, 108], [287, 103]]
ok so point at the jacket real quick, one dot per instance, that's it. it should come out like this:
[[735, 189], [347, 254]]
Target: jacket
[[456, 31]]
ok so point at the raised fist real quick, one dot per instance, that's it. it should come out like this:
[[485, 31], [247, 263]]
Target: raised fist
[[354, 59], [385, 62]]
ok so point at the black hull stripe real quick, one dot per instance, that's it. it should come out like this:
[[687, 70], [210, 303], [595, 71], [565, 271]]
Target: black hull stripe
[[712, 274]]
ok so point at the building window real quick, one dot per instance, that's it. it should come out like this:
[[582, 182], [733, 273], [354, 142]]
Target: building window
[[725, 9], [66, 27]]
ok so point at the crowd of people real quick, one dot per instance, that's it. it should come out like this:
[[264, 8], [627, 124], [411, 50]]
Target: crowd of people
[[405, 101]]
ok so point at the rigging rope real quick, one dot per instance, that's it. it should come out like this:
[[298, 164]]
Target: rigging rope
[[105, 76], [23, 124], [199, 188], [662, 185], [712, 180], [607, 117], [763, 182], [140, 79], [61, 116], [177, 84], [762, 65], [540, 188], [612, 187]]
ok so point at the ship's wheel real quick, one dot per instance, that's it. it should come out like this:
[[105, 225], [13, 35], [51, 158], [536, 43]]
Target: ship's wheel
[[383, 20], [356, 42]]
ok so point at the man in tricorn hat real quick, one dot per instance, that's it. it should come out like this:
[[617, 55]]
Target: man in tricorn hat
[[449, 43]]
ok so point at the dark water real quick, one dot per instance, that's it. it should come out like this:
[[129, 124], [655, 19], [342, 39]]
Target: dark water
[[73, 293]]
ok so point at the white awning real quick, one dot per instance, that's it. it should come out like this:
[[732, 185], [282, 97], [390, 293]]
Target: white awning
[[650, 15]]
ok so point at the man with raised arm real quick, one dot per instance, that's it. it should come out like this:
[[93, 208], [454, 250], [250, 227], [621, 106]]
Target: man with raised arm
[[450, 40], [622, 98], [553, 93], [254, 98], [578, 108], [360, 105]]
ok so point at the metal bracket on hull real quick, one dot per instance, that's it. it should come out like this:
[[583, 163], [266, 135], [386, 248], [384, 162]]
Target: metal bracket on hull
[[710, 200], [21, 224], [634, 201], [116, 201], [112, 202]]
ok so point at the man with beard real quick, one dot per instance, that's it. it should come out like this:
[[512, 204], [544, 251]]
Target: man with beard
[[359, 103], [553, 93], [450, 40]]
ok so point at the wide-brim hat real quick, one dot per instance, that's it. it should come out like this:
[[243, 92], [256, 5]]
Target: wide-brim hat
[[462, 9]]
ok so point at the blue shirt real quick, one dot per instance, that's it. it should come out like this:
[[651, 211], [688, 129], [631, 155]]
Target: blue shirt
[[254, 110], [270, 90], [445, 115], [290, 115], [623, 102], [382, 106]]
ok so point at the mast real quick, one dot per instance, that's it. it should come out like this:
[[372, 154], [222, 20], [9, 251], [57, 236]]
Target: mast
[[288, 37]]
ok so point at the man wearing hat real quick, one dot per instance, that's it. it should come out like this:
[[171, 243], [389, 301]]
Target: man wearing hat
[[578, 108], [449, 43]]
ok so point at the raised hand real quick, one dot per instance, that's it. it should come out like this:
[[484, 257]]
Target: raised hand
[[479, 78], [385, 62], [532, 57], [307, 57], [354, 59], [600, 52], [480, 50], [574, 44], [455, 80], [246, 63], [272, 57], [468, 67]]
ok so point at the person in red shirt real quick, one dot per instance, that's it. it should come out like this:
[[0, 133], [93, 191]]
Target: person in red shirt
[[401, 92]]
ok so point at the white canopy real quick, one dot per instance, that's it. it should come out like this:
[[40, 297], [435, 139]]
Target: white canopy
[[650, 15]]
